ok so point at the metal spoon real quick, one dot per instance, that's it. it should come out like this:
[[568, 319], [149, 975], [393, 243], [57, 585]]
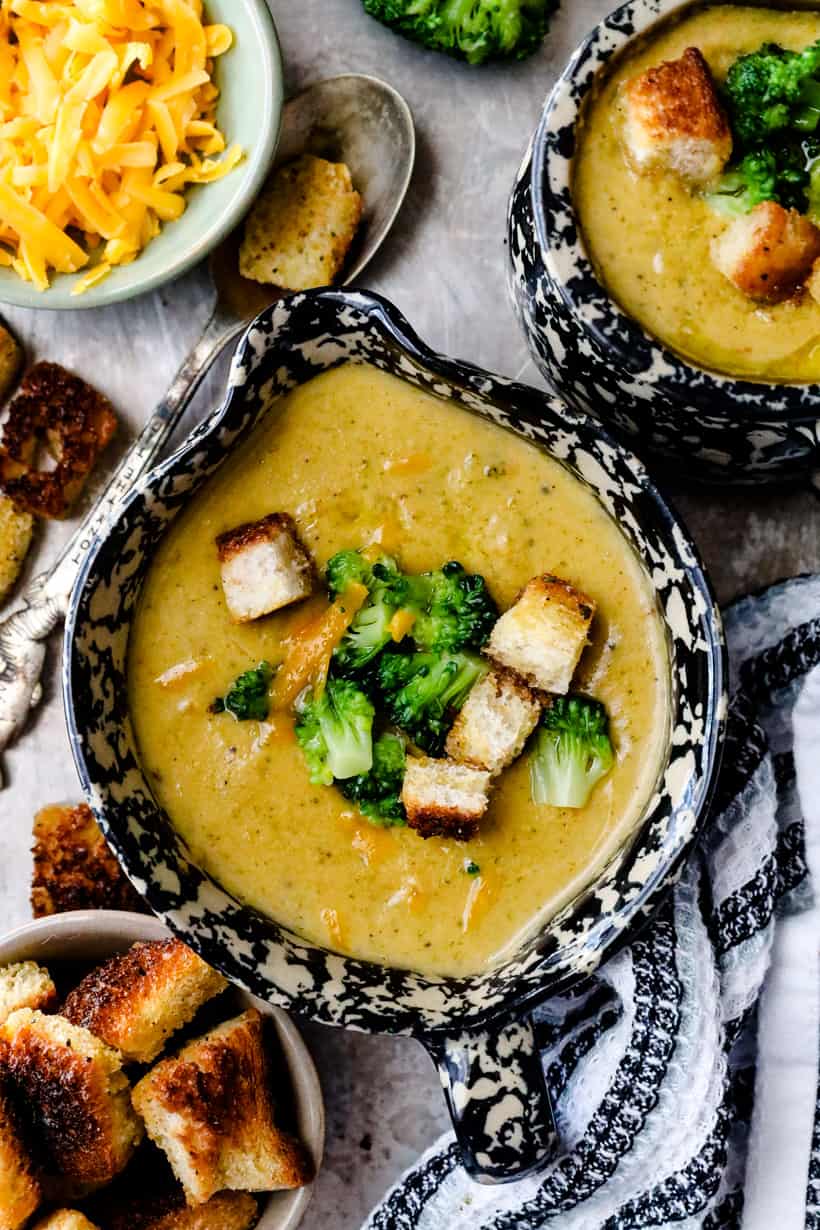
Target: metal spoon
[[354, 119]]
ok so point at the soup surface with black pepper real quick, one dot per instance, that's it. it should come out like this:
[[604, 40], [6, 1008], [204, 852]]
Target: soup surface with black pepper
[[667, 248], [360, 459]]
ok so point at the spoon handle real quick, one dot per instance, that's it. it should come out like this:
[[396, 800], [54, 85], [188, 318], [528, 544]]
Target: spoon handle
[[46, 598]]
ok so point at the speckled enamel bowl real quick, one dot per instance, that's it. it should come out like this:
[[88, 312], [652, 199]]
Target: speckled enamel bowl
[[600, 360], [478, 1029]]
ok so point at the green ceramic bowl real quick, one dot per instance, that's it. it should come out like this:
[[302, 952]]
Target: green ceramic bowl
[[250, 79]]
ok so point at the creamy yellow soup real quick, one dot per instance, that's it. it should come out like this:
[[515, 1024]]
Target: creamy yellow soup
[[357, 456], [649, 236]]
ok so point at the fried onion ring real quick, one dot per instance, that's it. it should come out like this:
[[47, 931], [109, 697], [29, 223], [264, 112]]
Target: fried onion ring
[[71, 420]]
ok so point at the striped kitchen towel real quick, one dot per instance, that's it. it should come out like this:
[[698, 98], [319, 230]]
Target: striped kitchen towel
[[685, 1073]]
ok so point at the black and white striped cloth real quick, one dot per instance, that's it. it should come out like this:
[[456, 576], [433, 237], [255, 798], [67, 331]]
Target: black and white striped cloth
[[686, 1090]]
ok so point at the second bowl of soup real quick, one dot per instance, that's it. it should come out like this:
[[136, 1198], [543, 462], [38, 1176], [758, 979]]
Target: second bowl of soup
[[205, 731], [617, 243]]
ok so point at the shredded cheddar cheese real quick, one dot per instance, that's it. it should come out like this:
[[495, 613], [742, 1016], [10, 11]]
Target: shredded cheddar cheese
[[107, 115]]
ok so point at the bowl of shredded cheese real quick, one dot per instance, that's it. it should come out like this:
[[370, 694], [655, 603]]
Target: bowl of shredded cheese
[[134, 136]]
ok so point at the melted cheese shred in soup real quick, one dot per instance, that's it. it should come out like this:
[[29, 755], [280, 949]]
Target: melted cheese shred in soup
[[357, 456], [649, 236]]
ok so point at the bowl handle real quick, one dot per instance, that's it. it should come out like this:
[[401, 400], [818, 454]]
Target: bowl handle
[[498, 1099]]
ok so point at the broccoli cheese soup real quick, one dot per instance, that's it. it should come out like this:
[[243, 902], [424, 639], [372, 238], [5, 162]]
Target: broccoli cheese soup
[[651, 234], [357, 457]]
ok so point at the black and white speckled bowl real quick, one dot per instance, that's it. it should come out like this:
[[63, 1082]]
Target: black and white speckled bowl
[[601, 360], [477, 1029]]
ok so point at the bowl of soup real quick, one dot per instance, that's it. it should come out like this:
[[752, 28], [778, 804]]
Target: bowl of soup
[[614, 252], [340, 417]]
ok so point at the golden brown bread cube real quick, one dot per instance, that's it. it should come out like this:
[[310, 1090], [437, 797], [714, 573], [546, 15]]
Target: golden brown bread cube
[[210, 1109], [76, 1098], [264, 566], [301, 227], [73, 867], [11, 359], [65, 1219], [674, 119], [444, 799], [19, 1186], [543, 634], [16, 533], [72, 420], [136, 1001], [768, 252], [498, 716], [26, 985], [150, 1210]]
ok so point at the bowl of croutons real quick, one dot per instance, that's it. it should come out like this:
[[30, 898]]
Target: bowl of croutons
[[139, 1091], [664, 236]]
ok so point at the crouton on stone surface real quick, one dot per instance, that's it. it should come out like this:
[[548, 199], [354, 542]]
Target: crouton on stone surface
[[444, 799], [16, 533], [674, 120], [543, 634], [136, 1001], [75, 1097], [497, 718], [264, 567], [768, 252], [210, 1109], [300, 230], [74, 868], [26, 985]]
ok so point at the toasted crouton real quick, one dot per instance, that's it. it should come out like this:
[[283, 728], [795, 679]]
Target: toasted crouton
[[673, 119], [444, 799], [264, 567], [134, 1002], [210, 1110], [75, 1095], [767, 253], [73, 867], [74, 422], [65, 1219], [301, 227], [19, 1187], [11, 359], [149, 1210], [542, 636], [25, 985], [16, 533], [496, 720]]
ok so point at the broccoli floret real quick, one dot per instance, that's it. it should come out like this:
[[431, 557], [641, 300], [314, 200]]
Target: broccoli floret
[[248, 696], [459, 612], [571, 752], [370, 630], [773, 100], [473, 30], [770, 90], [335, 732], [377, 794], [423, 692]]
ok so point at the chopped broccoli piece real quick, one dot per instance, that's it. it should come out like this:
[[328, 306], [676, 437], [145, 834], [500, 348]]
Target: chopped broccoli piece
[[423, 692], [335, 732], [473, 30], [248, 696], [770, 89], [377, 794], [773, 100], [370, 630], [459, 612], [571, 752], [472, 868]]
